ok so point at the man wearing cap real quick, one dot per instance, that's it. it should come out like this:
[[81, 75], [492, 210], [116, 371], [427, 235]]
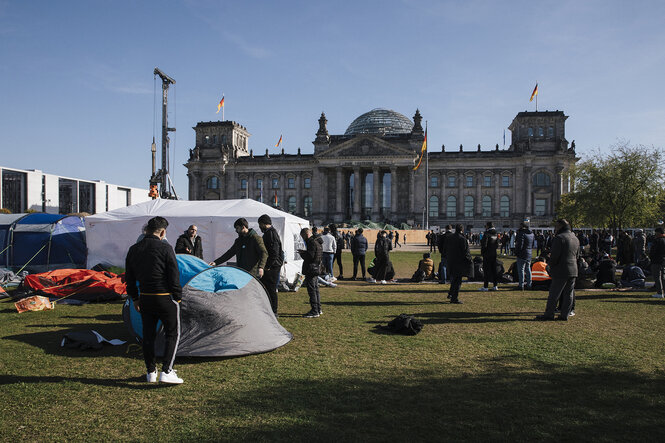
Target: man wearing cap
[[152, 264], [249, 250], [524, 241], [563, 270], [275, 259]]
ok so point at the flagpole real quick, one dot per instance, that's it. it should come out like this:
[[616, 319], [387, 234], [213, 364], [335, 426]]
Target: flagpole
[[426, 182]]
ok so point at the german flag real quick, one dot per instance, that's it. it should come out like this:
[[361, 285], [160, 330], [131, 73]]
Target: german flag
[[534, 93], [423, 150], [220, 105], [279, 142]]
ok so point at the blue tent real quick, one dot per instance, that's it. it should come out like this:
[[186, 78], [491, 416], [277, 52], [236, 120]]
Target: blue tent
[[224, 312], [6, 223], [42, 242]]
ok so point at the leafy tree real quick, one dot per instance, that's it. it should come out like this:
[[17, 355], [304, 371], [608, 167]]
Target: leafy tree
[[619, 190]]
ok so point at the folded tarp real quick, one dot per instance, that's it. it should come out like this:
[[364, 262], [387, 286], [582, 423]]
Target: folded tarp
[[78, 284]]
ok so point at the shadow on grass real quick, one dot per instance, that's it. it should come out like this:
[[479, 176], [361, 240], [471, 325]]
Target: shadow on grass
[[468, 317], [379, 303], [512, 400], [130, 382]]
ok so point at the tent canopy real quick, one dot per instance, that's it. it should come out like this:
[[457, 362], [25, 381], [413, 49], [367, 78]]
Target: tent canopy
[[110, 234]]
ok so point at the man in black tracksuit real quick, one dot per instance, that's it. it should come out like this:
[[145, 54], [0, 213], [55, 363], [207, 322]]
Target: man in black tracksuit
[[488, 246], [311, 268], [152, 264], [275, 259]]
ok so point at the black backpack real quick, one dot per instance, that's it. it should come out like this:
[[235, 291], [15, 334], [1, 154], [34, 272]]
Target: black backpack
[[405, 324]]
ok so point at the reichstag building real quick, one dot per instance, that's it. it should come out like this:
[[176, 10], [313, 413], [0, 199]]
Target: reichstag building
[[367, 172]]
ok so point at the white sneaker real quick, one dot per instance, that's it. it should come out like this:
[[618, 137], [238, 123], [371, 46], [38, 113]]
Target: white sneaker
[[332, 285], [371, 280], [572, 314], [383, 282], [171, 378], [657, 296], [483, 289], [151, 377], [333, 279], [495, 288]]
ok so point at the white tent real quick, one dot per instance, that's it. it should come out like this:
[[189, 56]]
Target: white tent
[[110, 234]]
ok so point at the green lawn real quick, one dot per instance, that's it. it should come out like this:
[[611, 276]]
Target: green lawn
[[483, 370]]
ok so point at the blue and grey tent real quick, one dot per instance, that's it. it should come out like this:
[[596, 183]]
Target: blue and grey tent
[[6, 223], [224, 312], [40, 242]]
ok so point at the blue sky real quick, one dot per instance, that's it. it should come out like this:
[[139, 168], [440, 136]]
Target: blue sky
[[76, 78]]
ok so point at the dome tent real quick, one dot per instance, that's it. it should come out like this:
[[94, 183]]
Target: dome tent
[[110, 234], [224, 312]]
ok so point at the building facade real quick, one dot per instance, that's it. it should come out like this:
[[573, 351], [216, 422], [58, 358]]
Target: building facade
[[33, 190], [368, 173]]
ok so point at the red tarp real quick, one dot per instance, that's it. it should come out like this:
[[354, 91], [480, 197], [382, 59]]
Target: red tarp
[[79, 284]]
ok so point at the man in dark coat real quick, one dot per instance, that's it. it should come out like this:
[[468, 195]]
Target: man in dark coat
[[358, 250], [488, 245], [190, 243], [523, 250], [458, 256], [443, 268], [249, 250], [275, 259], [382, 264], [311, 268], [657, 257], [563, 270], [339, 241]]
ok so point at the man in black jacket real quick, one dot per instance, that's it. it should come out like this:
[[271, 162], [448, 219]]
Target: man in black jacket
[[488, 246], [358, 250], [657, 257], [311, 268], [152, 264], [456, 249], [249, 250], [190, 243], [441, 241], [524, 240], [563, 270], [275, 259]]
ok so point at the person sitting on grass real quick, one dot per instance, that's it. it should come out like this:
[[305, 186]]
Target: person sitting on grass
[[607, 270], [425, 269], [540, 277]]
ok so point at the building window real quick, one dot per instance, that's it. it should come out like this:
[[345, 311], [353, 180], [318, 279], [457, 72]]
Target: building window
[[504, 206], [550, 131], [451, 206], [275, 183], [487, 206], [468, 181], [505, 180], [540, 131], [451, 181], [224, 139], [214, 139], [487, 181], [434, 206], [291, 205], [541, 179], [291, 183], [530, 131], [434, 181], [14, 195], [206, 139], [87, 197], [468, 206], [213, 182], [259, 183], [539, 207], [307, 206], [307, 183], [243, 183]]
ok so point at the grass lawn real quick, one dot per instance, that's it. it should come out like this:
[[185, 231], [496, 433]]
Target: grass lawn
[[483, 370]]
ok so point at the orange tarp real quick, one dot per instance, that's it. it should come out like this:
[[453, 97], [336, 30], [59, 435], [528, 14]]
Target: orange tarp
[[68, 282]]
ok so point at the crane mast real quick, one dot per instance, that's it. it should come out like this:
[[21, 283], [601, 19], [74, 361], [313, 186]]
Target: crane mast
[[161, 177]]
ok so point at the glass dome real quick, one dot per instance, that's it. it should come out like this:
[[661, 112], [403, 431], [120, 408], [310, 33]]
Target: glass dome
[[380, 121]]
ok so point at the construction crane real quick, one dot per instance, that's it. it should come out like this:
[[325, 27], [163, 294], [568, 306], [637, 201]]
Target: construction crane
[[161, 178]]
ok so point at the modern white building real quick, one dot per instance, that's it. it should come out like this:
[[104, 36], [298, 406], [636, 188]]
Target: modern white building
[[33, 190]]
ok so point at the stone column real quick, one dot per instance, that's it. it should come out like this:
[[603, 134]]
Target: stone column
[[529, 199], [375, 193], [442, 193], [497, 193], [340, 193], [479, 193], [321, 192], [357, 190], [299, 196], [460, 196], [412, 195], [393, 191]]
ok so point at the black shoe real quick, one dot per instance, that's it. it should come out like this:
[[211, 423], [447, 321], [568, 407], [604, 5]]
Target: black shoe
[[456, 302], [311, 314], [544, 318], [448, 297]]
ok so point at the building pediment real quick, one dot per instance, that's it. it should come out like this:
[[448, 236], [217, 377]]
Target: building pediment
[[366, 146]]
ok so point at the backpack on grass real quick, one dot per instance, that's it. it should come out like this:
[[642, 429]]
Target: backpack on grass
[[405, 324]]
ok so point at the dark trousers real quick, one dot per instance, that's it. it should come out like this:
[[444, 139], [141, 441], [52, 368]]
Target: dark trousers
[[153, 309], [455, 285], [338, 258], [312, 284], [270, 279], [356, 260], [560, 288], [658, 272], [489, 270]]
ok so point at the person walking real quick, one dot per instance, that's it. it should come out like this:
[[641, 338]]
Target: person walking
[[311, 268], [563, 270], [459, 261], [152, 264], [524, 240], [488, 247], [358, 250], [190, 243], [657, 257], [339, 246], [275, 259], [397, 243], [248, 248]]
